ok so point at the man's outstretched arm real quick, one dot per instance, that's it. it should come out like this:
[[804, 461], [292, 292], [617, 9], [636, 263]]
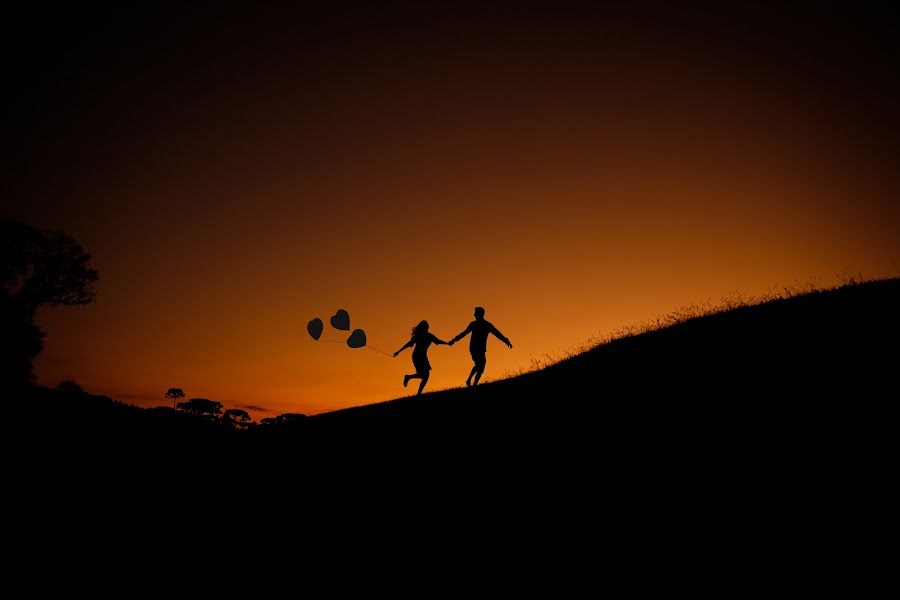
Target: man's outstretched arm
[[461, 335], [500, 336]]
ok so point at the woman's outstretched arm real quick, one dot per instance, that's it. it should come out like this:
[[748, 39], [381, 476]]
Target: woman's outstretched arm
[[404, 347]]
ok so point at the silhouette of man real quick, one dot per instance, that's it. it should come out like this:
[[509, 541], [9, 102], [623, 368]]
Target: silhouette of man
[[479, 328]]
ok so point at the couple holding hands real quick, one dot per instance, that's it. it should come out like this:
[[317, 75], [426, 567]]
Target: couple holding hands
[[421, 339]]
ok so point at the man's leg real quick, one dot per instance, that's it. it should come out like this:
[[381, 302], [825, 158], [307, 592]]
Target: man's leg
[[478, 370], [474, 370], [478, 374]]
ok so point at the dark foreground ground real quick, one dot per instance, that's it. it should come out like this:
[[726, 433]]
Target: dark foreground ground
[[777, 411]]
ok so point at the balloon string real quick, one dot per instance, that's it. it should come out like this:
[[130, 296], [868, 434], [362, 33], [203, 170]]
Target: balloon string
[[382, 351], [369, 347]]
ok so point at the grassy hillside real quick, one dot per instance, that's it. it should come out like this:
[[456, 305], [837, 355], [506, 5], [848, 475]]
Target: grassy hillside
[[746, 383], [785, 362]]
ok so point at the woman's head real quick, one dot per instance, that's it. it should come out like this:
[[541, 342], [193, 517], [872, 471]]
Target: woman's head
[[421, 328]]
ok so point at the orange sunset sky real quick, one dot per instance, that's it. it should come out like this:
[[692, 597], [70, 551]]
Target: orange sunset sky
[[574, 168]]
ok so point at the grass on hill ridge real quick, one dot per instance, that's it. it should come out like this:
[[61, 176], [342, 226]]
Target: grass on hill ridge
[[695, 310]]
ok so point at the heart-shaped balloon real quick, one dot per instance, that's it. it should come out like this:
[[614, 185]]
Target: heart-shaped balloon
[[357, 339], [314, 328], [341, 320]]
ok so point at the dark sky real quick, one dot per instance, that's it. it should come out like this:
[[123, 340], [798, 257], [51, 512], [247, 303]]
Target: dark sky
[[236, 172], [83, 79]]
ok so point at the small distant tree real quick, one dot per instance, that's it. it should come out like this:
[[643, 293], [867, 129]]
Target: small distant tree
[[69, 386], [175, 394], [284, 419], [236, 417], [201, 407]]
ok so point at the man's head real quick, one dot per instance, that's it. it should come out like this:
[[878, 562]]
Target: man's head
[[479, 312]]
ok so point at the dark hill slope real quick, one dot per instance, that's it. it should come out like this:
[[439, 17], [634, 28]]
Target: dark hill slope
[[782, 368], [744, 443], [813, 371], [722, 431]]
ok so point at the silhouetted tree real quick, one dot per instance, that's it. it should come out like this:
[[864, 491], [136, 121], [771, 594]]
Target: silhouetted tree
[[236, 417], [175, 394], [69, 386], [201, 407], [37, 268]]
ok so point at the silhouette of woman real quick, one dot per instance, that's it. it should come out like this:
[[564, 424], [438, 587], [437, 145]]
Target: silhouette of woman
[[420, 340]]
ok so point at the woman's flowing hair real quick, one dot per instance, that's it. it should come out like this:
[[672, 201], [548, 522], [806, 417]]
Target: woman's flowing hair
[[419, 329]]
